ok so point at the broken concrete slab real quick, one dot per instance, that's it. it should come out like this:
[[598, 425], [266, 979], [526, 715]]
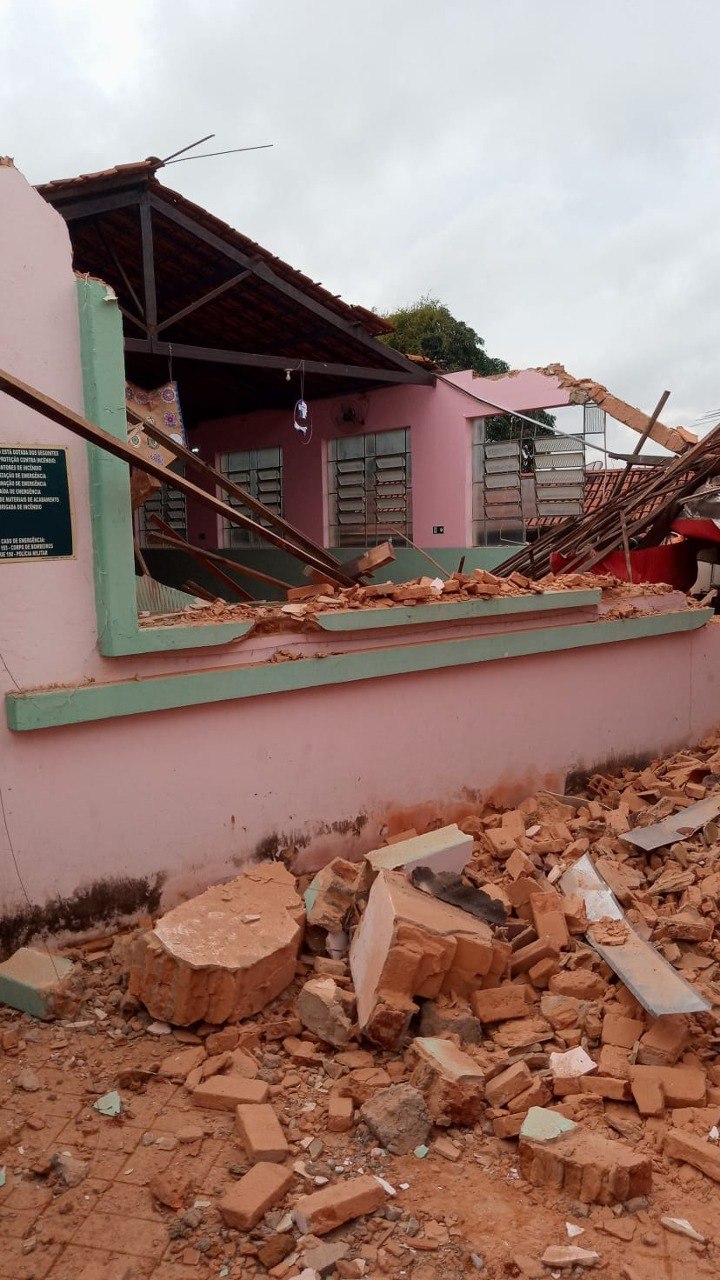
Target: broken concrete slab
[[445, 849], [321, 1009], [451, 1082], [224, 955], [408, 945], [566, 1256], [35, 982]]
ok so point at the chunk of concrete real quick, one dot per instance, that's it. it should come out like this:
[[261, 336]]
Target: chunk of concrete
[[446, 849], [398, 1118], [35, 982], [320, 1009], [409, 944], [224, 955]]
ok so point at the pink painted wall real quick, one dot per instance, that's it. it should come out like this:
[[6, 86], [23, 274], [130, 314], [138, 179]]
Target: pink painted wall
[[94, 799], [439, 419], [191, 794]]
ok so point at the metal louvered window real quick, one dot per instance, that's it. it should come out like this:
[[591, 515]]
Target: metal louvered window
[[260, 471], [369, 487], [167, 503]]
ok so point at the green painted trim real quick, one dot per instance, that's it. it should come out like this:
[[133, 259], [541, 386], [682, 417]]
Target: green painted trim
[[103, 366], [449, 611], [43, 710]]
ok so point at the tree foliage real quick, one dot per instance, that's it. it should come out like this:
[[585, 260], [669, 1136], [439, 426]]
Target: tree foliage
[[428, 328]]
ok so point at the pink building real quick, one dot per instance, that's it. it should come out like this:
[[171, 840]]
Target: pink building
[[139, 762], [393, 447]]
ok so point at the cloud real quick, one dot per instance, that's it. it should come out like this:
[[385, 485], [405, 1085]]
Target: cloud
[[549, 170]]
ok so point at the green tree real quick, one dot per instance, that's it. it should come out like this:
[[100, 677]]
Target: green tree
[[428, 328]]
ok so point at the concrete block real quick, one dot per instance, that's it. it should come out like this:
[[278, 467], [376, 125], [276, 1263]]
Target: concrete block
[[33, 981], [542, 1125], [224, 955], [447, 849]]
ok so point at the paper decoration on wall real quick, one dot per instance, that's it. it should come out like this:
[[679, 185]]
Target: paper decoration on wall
[[159, 407]]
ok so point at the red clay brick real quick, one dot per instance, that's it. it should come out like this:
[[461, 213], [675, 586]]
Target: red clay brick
[[450, 1081], [225, 1093], [662, 1045], [698, 1152], [324, 1210], [681, 1086], [587, 1168], [248, 1200], [606, 1087], [528, 956], [508, 1084], [621, 1031], [583, 984], [508, 1126], [501, 1003], [261, 1134], [542, 972], [549, 919], [340, 1113], [614, 1061]]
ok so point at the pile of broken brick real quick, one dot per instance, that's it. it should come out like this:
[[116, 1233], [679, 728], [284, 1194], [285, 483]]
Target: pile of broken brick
[[471, 980], [324, 597]]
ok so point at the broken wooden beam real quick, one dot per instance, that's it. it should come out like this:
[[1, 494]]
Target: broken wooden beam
[[64, 417], [219, 480], [200, 557]]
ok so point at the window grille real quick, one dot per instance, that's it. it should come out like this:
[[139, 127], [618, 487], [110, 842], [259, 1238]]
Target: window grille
[[369, 487], [167, 503], [260, 471]]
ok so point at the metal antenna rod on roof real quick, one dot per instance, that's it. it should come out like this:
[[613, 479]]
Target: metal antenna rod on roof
[[182, 150], [205, 155]]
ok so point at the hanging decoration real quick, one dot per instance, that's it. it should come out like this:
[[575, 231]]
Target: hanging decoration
[[302, 418]]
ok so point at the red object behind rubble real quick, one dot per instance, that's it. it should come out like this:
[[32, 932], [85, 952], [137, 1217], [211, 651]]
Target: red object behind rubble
[[674, 563], [701, 530]]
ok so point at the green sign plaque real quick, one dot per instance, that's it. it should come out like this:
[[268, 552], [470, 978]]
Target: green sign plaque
[[35, 513]]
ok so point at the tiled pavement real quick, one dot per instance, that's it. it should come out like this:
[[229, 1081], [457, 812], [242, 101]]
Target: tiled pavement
[[108, 1227]]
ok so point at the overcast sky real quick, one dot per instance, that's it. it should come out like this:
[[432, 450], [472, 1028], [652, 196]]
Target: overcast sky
[[547, 169]]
